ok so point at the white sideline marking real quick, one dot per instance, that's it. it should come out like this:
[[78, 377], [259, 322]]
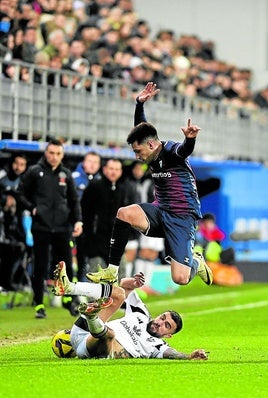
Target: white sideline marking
[[230, 308], [205, 297]]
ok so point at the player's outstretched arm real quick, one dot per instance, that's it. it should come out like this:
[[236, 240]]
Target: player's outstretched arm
[[129, 284], [171, 353], [191, 131], [148, 92]]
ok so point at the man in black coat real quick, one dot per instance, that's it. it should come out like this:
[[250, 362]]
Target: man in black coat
[[100, 201], [48, 191]]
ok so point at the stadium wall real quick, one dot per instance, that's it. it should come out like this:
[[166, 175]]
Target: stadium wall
[[240, 205]]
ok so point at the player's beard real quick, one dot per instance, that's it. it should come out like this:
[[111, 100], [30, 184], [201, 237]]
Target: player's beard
[[150, 331]]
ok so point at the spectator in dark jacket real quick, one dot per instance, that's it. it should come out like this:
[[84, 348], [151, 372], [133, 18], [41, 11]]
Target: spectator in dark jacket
[[85, 172], [11, 228], [48, 191], [100, 201]]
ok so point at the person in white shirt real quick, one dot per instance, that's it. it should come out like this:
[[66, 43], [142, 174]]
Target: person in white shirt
[[135, 335]]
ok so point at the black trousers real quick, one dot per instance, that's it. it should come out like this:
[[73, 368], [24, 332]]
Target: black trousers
[[80, 255], [10, 253], [49, 248]]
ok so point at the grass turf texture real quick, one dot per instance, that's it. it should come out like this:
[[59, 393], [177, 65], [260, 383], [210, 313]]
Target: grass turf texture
[[230, 323]]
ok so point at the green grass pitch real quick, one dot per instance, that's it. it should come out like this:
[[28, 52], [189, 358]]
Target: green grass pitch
[[231, 323]]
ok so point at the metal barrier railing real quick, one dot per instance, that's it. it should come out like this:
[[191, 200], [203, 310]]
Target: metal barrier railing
[[104, 114]]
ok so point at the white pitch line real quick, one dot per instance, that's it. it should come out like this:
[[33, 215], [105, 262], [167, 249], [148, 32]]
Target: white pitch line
[[205, 297], [230, 308]]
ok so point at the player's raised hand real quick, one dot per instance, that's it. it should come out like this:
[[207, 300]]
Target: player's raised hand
[[190, 131], [148, 92], [133, 282], [139, 279]]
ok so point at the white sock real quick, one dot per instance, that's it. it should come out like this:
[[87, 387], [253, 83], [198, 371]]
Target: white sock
[[96, 325], [86, 289]]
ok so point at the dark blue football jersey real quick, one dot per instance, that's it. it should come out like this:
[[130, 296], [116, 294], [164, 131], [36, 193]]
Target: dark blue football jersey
[[174, 180]]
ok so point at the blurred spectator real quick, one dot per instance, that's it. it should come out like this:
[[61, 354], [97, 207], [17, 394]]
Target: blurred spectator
[[12, 234], [110, 41], [27, 50], [55, 40], [10, 176], [136, 253], [60, 20], [76, 51], [126, 5], [85, 172], [261, 98], [5, 26], [114, 19], [138, 74], [209, 239], [141, 28], [7, 47], [9, 71], [142, 255], [100, 201], [106, 61], [25, 74], [56, 64], [96, 71], [81, 66], [225, 82], [26, 15], [166, 78], [18, 37], [63, 52], [150, 253], [90, 36], [42, 61]]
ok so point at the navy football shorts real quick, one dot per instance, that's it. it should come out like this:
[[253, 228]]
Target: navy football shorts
[[178, 232]]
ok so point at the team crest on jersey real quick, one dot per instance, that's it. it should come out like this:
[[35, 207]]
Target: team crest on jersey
[[62, 178], [137, 330], [160, 164]]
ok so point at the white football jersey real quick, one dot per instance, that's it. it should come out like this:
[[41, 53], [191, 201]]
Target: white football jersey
[[130, 331]]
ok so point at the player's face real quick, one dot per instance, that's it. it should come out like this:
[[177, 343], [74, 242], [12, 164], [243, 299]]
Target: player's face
[[162, 326], [54, 155], [144, 152]]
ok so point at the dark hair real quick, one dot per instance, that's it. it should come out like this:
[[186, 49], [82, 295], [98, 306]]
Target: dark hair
[[18, 155], [54, 141], [177, 319], [113, 160], [141, 132], [209, 216]]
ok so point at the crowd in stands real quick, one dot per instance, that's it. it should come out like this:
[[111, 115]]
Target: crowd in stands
[[107, 38]]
